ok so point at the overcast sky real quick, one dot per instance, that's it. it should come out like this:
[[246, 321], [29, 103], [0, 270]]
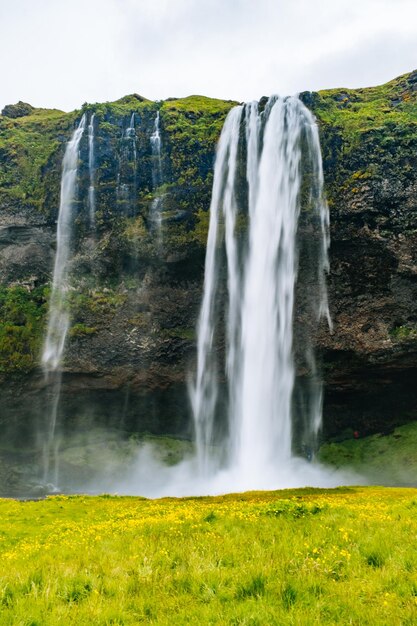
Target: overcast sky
[[61, 53]]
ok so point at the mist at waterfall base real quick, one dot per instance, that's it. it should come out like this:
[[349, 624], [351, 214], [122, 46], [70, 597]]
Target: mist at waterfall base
[[265, 220]]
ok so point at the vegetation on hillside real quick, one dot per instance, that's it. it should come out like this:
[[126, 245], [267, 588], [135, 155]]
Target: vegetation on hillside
[[31, 148], [358, 110], [367, 133], [22, 318], [388, 459]]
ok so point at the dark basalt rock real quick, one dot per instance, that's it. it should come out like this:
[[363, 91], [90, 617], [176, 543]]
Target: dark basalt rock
[[412, 78]]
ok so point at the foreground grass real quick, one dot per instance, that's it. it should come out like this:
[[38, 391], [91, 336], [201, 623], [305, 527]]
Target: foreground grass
[[344, 556]]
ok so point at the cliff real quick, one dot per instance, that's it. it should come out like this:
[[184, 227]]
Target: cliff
[[136, 290]]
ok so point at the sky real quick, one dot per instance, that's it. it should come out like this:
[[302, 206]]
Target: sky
[[62, 53]]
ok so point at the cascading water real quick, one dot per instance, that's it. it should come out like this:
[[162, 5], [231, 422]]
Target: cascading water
[[131, 134], [91, 169], [58, 313], [204, 392], [283, 179], [155, 141], [156, 151], [58, 320]]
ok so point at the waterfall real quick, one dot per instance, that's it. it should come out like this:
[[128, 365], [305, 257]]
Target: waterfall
[[203, 393], [156, 205], [279, 195], [131, 134], [58, 320], [156, 152], [91, 169]]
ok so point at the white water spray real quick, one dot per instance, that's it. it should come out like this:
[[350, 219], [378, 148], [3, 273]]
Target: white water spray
[[91, 169], [59, 320]]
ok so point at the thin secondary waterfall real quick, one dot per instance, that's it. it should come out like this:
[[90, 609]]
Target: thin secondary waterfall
[[58, 320], [91, 169], [203, 393], [155, 141], [131, 134], [156, 152], [282, 180]]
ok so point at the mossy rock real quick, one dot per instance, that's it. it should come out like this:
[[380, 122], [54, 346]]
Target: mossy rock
[[17, 110]]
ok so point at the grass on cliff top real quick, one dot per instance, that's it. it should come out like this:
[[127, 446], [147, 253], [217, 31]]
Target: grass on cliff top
[[27, 146], [358, 110], [344, 556], [199, 104], [197, 119]]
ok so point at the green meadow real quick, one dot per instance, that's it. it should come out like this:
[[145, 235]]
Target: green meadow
[[307, 556]]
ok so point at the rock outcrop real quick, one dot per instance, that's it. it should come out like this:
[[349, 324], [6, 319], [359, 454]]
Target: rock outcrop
[[20, 109]]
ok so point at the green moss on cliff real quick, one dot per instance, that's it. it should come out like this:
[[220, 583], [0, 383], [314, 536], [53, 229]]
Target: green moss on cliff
[[31, 149], [179, 332], [193, 126], [111, 111], [20, 109], [403, 333], [359, 110], [367, 134], [22, 318], [388, 459], [81, 330], [97, 302]]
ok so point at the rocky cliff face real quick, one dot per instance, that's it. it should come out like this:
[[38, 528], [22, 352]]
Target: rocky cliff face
[[136, 291], [369, 140]]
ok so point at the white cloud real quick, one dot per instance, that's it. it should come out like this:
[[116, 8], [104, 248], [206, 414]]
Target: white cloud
[[58, 53]]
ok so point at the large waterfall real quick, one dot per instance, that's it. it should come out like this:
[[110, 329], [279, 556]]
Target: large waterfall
[[58, 320], [259, 214]]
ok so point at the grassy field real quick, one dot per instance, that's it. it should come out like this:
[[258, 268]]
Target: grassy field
[[344, 556]]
